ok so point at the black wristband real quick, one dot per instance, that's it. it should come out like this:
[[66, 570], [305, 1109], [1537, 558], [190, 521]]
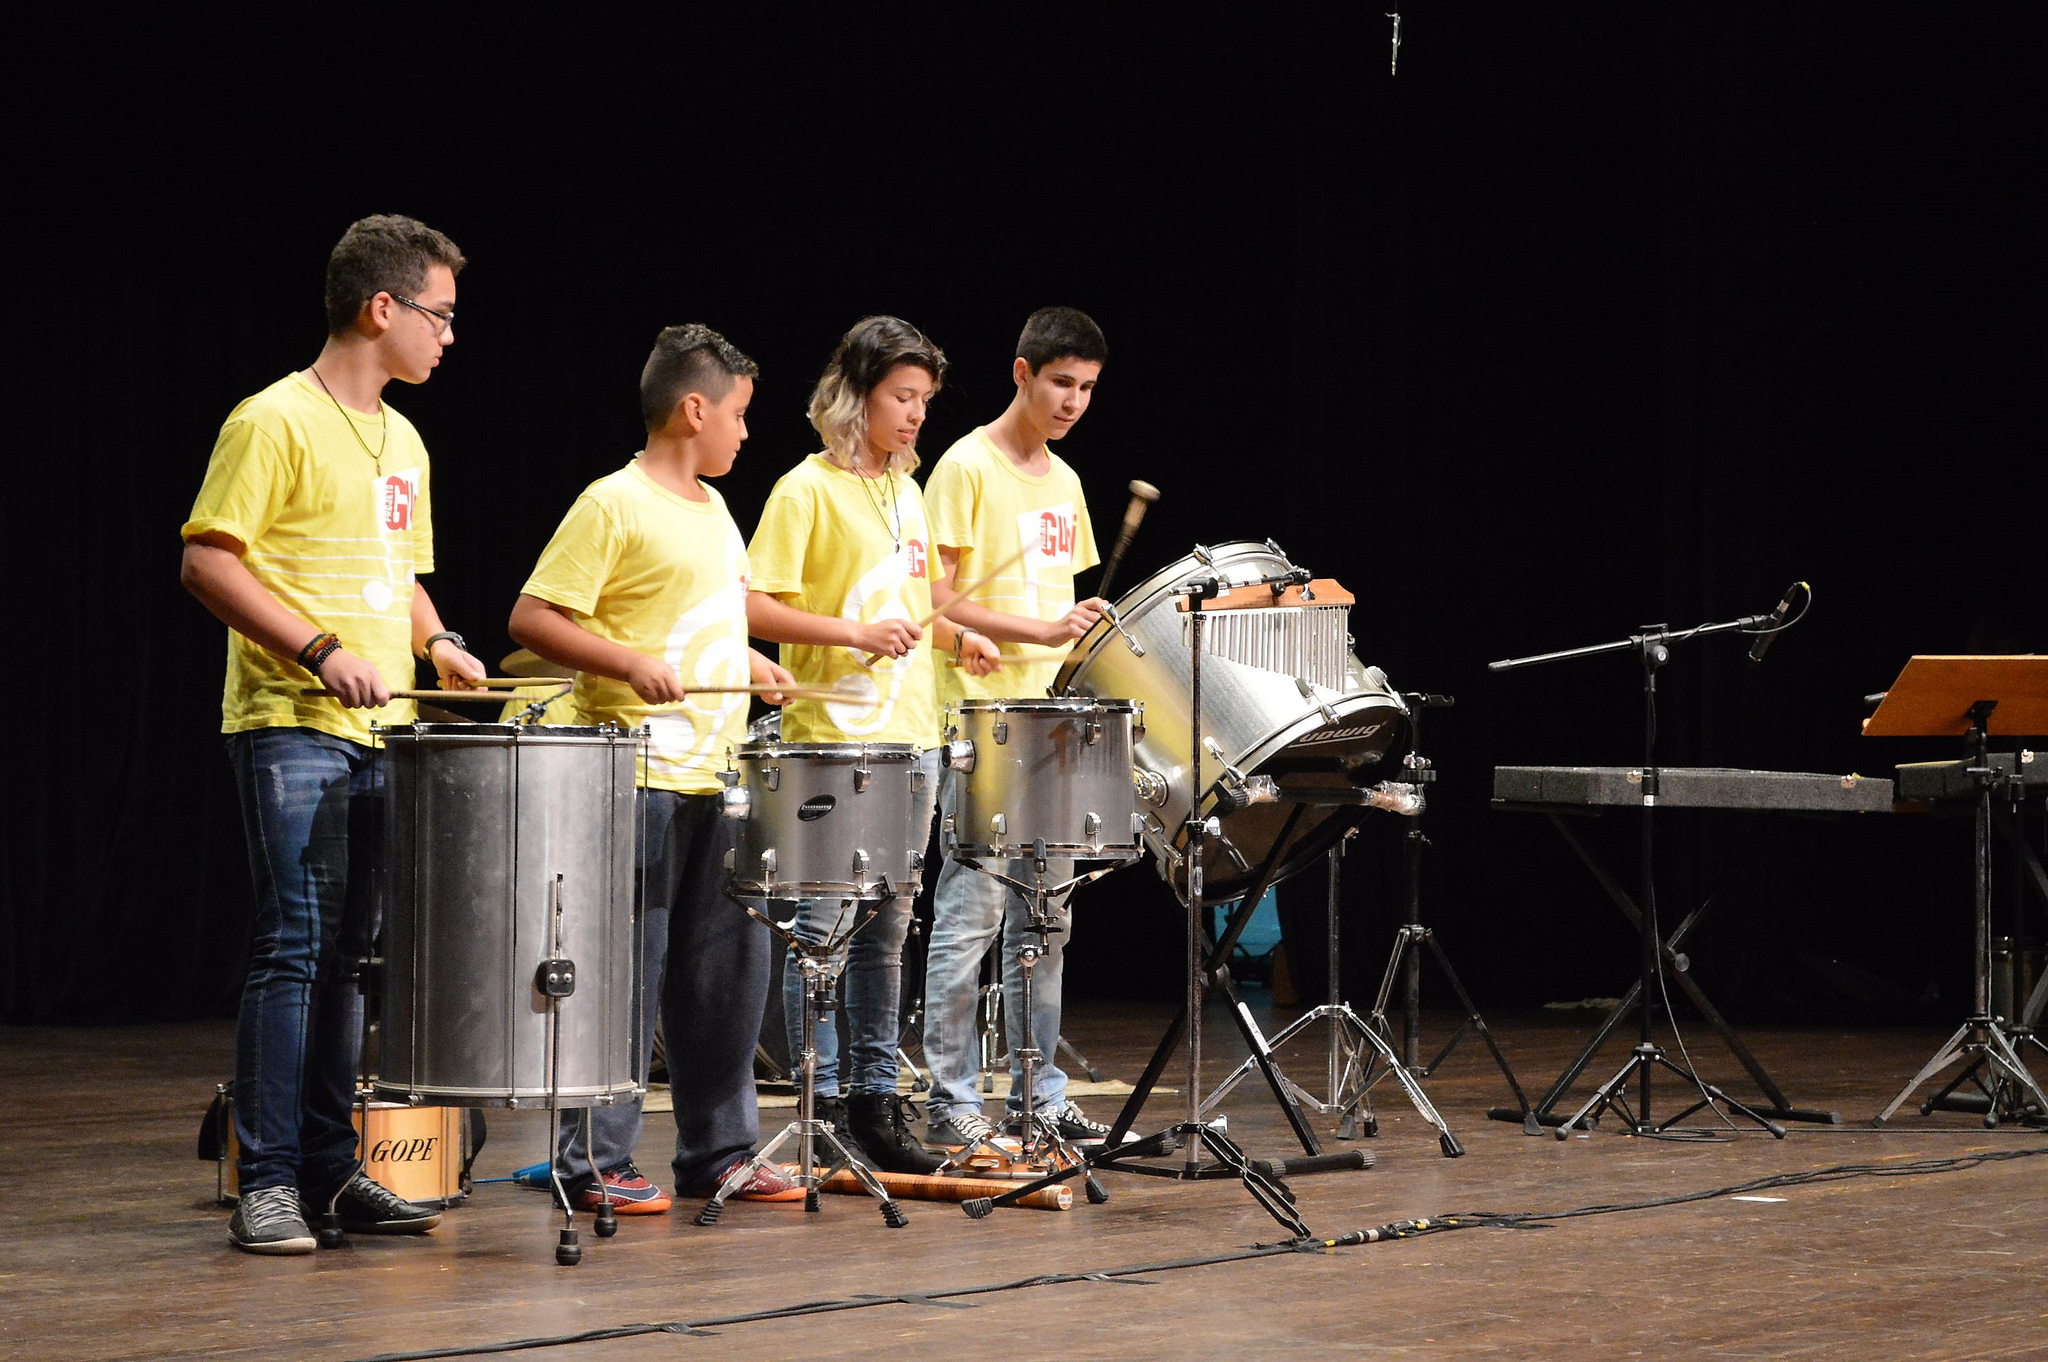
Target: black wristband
[[328, 648], [427, 649]]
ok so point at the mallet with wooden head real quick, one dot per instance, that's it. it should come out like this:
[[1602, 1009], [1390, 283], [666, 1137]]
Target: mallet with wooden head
[[1143, 494]]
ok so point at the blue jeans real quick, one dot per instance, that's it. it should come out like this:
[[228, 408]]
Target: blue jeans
[[970, 913], [872, 981], [707, 973], [313, 810]]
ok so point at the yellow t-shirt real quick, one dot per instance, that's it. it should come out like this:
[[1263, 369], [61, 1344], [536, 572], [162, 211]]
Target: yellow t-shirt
[[987, 508], [334, 540], [835, 543], [667, 577]]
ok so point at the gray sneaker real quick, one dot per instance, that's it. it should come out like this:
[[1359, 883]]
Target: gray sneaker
[[267, 1220], [964, 1129]]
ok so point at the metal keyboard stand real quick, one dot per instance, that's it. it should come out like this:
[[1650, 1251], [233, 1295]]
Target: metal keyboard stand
[[1652, 651]]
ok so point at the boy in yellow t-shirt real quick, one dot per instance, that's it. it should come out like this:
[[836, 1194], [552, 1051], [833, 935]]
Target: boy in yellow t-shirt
[[1000, 489], [642, 593], [842, 561], [305, 540]]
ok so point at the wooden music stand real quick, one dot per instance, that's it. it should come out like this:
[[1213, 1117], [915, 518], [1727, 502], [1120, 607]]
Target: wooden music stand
[[1976, 698]]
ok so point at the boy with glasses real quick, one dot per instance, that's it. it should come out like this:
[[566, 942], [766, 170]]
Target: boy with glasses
[[309, 531]]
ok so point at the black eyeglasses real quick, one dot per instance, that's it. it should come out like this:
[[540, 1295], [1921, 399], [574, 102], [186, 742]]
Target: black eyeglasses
[[446, 319]]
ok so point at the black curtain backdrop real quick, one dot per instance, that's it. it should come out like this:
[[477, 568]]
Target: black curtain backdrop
[[1590, 317]]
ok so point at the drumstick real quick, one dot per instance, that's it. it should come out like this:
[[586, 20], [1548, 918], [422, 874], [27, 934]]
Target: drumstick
[[964, 592], [793, 692], [977, 584], [1143, 494]]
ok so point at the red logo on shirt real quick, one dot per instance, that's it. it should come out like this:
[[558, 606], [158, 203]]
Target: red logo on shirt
[[396, 497], [913, 553], [1055, 535]]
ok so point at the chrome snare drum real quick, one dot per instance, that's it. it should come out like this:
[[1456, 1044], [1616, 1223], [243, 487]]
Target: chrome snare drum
[[510, 848], [1291, 719], [827, 820], [1048, 777]]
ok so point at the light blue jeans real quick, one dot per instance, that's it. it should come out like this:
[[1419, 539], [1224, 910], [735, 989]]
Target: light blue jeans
[[872, 980], [971, 912]]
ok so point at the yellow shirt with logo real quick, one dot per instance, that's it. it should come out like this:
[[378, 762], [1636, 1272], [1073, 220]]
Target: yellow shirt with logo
[[642, 567], [988, 509], [333, 538], [835, 543]]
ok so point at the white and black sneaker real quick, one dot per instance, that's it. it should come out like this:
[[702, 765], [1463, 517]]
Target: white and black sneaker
[[368, 1207], [1072, 1124], [268, 1220], [964, 1129]]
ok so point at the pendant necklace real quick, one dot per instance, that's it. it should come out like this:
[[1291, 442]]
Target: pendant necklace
[[383, 416], [895, 530]]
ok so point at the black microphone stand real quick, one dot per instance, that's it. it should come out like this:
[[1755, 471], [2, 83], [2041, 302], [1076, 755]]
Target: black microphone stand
[[1653, 649]]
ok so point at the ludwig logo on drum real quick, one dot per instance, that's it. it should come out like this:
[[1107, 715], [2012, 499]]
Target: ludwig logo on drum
[[816, 807], [1338, 734]]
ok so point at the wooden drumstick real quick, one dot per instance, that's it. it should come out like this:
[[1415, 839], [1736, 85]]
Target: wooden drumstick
[[1143, 494], [793, 692], [964, 592]]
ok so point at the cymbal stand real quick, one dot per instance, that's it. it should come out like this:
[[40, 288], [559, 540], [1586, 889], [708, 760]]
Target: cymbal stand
[[2012, 1094], [1652, 649], [1261, 1180], [1043, 1143], [820, 970], [1405, 963]]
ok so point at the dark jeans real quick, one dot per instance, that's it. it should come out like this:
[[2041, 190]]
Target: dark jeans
[[313, 809], [707, 965]]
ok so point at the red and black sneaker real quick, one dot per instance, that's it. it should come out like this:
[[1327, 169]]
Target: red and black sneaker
[[629, 1192]]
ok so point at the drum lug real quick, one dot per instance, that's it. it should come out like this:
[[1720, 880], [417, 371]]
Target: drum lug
[[555, 978], [1308, 693], [999, 824], [771, 778], [1091, 732], [1091, 824], [1001, 729], [768, 866], [860, 867], [863, 776]]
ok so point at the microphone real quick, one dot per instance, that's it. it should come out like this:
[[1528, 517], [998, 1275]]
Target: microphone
[[1775, 625]]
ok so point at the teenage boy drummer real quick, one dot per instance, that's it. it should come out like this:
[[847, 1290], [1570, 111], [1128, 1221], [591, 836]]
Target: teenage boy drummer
[[642, 593], [998, 491]]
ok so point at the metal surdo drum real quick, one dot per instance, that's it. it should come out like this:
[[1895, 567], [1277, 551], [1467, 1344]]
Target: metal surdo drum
[[827, 820], [1290, 718], [510, 850], [1050, 774]]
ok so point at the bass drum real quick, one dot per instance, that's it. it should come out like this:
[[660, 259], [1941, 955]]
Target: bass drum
[[1322, 740]]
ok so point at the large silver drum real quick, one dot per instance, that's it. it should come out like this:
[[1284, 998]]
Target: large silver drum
[[1290, 718], [827, 820], [1043, 775], [509, 847]]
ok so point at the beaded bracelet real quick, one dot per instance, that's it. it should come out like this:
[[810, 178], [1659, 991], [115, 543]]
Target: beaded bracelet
[[328, 649], [313, 645]]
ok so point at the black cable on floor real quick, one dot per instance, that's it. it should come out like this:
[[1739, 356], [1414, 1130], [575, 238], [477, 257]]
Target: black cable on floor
[[1132, 1275]]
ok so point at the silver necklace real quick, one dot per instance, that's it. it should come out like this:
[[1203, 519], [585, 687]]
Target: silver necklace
[[895, 530], [383, 422]]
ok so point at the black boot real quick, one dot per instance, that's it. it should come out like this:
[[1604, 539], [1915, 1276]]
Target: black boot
[[832, 1111], [881, 1126]]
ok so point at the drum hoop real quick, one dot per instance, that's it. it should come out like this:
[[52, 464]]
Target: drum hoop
[[506, 735], [1059, 704], [1280, 739], [842, 751]]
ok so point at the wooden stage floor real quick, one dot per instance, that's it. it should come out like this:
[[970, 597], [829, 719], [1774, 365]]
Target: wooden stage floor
[[1926, 1239]]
